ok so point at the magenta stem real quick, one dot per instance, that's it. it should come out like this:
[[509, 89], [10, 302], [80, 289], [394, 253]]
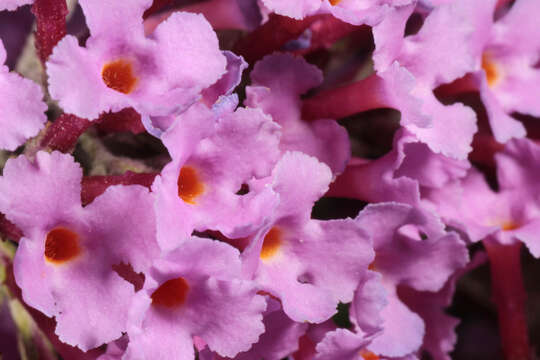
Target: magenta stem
[[510, 297], [63, 133], [50, 25], [271, 36], [93, 186], [367, 94]]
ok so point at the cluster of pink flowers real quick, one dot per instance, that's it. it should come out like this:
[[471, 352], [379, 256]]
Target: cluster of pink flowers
[[217, 255]]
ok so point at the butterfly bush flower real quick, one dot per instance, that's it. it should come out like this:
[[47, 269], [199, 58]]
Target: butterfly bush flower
[[64, 262], [22, 110], [421, 54], [505, 74], [309, 265], [222, 254], [396, 230], [508, 215], [195, 290], [384, 326], [277, 83], [119, 67], [213, 155]]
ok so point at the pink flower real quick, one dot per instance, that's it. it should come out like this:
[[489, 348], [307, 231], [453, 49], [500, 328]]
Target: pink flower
[[195, 290], [119, 67], [64, 262]]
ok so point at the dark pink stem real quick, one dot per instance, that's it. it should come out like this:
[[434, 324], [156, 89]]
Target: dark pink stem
[[367, 94], [484, 149], [62, 134], [468, 83], [349, 183], [50, 25], [93, 186], [271, 36], [509, 296], [127, 120]]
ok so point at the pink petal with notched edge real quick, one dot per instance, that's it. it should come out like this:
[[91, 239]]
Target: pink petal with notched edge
[[518, 165], [452, 129], [403, 329], [402, 255], [111, 18], [341, 344], [31, 194], [503, 126], [277, 82], [369, 300], [22, 110]]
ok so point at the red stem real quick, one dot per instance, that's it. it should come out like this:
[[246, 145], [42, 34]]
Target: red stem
[[367, 94], [50, 25], [93, 186], [484, 149], [63, 133], [467, 83], [125, 120], [510, 297]]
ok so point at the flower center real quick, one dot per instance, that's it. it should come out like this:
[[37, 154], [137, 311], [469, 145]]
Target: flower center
[[491, 69], [189, 185], [61, 245], [334, 2], [271, 244], [509, 225], [368, 355], [118, 75], [172, 293]]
